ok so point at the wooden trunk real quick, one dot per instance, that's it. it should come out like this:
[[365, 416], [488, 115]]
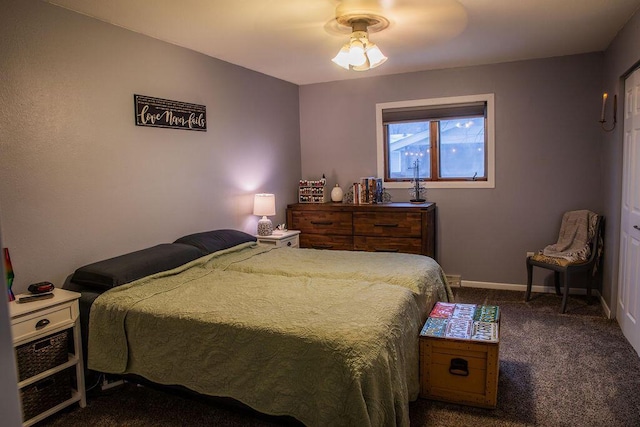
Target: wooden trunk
[[459, 371]]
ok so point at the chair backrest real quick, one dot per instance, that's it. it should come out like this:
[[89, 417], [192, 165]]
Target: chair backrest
[[597, 237]]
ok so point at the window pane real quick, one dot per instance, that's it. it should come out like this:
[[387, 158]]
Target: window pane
[[462, 148], [409, 144]]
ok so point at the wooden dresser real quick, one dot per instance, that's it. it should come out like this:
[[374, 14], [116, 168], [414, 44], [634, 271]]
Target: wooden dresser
[[390, 227]]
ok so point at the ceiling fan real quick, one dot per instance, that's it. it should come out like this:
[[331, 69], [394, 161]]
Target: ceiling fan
[[442, 19]]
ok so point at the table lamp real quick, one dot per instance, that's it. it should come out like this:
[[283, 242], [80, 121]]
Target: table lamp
[[264, 205]]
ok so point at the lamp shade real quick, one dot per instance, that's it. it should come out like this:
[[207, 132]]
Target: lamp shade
[[264, 204]]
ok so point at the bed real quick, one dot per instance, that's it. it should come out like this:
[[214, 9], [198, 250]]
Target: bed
[[327, 337]]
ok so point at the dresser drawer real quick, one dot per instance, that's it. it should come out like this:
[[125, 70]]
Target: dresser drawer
[[43, 321], [388, 244], [322, 222], [325, 241], [388, 224]]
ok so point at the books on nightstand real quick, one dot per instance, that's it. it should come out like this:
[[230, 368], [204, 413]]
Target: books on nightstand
[[463, 321]]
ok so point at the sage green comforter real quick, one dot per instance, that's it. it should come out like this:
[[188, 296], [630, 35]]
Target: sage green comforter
[[420, 274], [329, 352]]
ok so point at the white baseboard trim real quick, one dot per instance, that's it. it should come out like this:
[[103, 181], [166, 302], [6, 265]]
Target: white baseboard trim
[[534, 288]]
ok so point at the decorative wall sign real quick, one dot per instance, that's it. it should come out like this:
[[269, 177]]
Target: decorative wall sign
[[164, 113]]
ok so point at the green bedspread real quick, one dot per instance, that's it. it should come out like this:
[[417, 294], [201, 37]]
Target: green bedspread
[[420, 274], [326, 351]]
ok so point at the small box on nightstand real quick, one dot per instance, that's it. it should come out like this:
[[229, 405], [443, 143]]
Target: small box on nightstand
[[287, 238]]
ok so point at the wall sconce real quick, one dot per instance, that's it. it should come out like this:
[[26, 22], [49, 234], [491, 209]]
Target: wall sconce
[[615, 112], [264, 205]]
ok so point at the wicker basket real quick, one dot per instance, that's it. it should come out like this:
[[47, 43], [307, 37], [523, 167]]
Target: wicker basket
[[45, 394], [41, 355]]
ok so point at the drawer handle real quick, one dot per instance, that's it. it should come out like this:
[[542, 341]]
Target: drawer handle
[[322, 222], [41, 345], [288, 243], [385, 250], [459, 367], [322, 246], [42, 323], [385, 225]]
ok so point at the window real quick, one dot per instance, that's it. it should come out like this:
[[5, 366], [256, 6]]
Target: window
[[446, 142]]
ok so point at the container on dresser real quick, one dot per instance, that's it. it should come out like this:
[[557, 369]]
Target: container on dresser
[[312, 191], [390, 227], [46, 337]]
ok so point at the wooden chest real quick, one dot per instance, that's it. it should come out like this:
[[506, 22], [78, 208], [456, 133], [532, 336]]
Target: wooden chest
[[459, 370]]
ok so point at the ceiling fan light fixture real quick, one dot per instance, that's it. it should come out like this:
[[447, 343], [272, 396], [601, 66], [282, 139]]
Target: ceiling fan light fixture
[[375, 55], [359, 54], [342, 58], [356, 53]]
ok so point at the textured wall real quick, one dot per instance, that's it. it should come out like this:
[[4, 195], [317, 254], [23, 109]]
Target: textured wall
[[80, 182], [548, 147]]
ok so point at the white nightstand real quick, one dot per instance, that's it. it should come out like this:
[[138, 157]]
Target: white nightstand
[[289, 238], [50, 377]]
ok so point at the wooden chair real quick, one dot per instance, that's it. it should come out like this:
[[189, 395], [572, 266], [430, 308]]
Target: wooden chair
[[570, 270]]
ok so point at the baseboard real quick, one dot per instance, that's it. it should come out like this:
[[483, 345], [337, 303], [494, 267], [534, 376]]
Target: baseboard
[[534, 288], [605, 307]]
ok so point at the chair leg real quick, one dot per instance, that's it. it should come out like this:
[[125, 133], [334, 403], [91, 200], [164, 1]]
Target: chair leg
[[566, 292], [556, 281], [527, 294]]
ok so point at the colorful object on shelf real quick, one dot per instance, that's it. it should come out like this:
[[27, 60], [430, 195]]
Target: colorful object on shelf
[[9, 272]]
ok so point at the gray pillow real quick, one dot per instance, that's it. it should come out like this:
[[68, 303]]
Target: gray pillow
[[126, 268], [216, 240]]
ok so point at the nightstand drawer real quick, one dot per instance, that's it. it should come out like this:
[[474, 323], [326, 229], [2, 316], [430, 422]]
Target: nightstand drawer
[[281, 239], [387, 224], [41, 322]]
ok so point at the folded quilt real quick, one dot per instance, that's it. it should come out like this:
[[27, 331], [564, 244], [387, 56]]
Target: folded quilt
[[576, 231]]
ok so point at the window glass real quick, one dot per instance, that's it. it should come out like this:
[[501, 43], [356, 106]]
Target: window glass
[[462, 148], [409, 145]]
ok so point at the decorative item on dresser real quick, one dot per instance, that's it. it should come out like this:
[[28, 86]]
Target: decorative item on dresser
[[392, 227], [337, 194], [50, 378], [312, 191]]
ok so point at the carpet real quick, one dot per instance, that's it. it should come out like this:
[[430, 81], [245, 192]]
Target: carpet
[[572, 369]]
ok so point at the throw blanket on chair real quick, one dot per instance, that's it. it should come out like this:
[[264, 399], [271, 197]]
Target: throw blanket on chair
[[576, 231]]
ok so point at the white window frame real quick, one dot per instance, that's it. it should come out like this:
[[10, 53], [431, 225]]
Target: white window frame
[[490, 134]]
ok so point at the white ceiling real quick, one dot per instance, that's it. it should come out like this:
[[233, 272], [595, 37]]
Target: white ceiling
[[294, 40]]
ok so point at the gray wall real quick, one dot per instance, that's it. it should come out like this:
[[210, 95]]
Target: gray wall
[[548, 154], [622, 56], [80, 182]]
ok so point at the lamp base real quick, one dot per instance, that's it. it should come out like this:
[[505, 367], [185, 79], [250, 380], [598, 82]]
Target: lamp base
[[265, 227]]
